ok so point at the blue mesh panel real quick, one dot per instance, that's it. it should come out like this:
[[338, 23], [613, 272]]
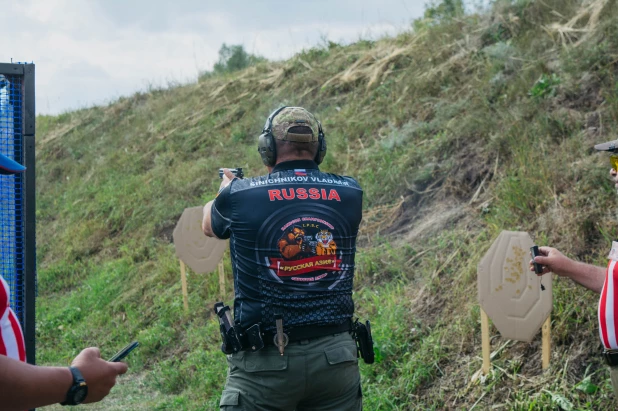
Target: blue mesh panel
[[11, 193]]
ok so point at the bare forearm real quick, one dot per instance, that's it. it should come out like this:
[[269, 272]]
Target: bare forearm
[[590, 276], [206, 221], [24, 386]]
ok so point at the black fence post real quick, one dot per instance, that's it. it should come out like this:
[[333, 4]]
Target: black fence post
[[30, 284]]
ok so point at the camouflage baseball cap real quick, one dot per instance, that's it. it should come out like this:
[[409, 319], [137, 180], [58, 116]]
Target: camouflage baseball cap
[[611, 146], [295, 117]]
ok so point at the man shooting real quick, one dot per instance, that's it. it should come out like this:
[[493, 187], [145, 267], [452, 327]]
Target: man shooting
[[291, 300]]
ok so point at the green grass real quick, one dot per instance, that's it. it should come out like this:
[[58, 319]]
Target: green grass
[[457, 129]]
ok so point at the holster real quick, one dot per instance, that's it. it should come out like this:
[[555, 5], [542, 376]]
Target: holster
[[364, 341], [234, 339], [230, 331]]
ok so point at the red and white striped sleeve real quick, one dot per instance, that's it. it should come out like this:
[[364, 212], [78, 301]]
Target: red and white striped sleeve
[[11, 336]]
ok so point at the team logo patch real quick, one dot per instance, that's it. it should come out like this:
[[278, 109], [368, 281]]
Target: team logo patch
[[306, 248]]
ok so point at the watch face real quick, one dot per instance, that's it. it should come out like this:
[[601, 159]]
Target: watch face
[[80, 394]]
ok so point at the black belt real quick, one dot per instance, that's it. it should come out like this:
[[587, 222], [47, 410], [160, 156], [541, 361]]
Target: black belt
[[308, 332], [611, 357]]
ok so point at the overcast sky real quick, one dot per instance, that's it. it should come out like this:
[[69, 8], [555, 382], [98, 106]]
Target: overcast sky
[[93, 51]]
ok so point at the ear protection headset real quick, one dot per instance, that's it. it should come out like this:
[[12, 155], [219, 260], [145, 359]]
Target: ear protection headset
[[267, 146]]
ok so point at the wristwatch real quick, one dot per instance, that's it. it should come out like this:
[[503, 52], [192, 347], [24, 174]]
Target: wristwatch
[[78, 391]]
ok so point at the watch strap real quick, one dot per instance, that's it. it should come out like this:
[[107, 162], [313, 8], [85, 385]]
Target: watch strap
[[79, 383]]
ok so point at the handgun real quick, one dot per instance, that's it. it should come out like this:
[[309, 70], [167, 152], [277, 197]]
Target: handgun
[[236, 171], [310, 242], [231, 332]]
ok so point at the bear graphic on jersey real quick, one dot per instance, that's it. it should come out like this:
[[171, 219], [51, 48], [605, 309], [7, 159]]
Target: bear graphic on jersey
[[293, 244]]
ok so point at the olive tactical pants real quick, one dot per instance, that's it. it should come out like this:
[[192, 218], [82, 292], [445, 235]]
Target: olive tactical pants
[[320, 374]]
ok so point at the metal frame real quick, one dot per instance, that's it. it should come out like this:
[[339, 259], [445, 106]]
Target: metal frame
[[27, 72]]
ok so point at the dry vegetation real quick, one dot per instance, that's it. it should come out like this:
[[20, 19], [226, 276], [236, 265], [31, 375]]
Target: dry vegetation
[[460, 128]]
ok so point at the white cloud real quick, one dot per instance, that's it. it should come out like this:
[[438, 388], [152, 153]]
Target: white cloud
[[90, 52]]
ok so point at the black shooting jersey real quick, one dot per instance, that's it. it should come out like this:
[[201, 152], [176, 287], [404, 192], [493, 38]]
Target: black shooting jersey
[[292, 242]]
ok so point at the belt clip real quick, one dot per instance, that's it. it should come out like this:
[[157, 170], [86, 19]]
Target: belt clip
[[611, 357], [280, 339]]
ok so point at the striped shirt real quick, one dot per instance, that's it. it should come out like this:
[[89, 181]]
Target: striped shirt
[[11, 337]]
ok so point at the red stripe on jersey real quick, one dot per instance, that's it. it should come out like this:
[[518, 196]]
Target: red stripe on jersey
[[613, 340], [19, 336], [4, 305], [11, 337], [608, 307], [2, 346]]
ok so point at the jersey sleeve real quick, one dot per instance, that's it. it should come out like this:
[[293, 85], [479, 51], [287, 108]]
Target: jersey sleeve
[[221, 213]]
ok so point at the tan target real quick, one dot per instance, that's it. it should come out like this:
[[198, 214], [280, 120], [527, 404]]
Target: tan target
[[201, 253], [510, 294]]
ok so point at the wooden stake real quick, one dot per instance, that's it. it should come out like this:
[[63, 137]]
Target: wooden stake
[[221, 279], [185, 294], [546, 342], [485, 342]]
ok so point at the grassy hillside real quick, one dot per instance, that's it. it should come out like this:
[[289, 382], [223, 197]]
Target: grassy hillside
[[460, 128]]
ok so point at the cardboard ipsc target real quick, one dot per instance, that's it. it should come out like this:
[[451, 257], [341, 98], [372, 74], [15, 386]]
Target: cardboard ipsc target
[[509, 292], [199, 252], [203, 254]]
